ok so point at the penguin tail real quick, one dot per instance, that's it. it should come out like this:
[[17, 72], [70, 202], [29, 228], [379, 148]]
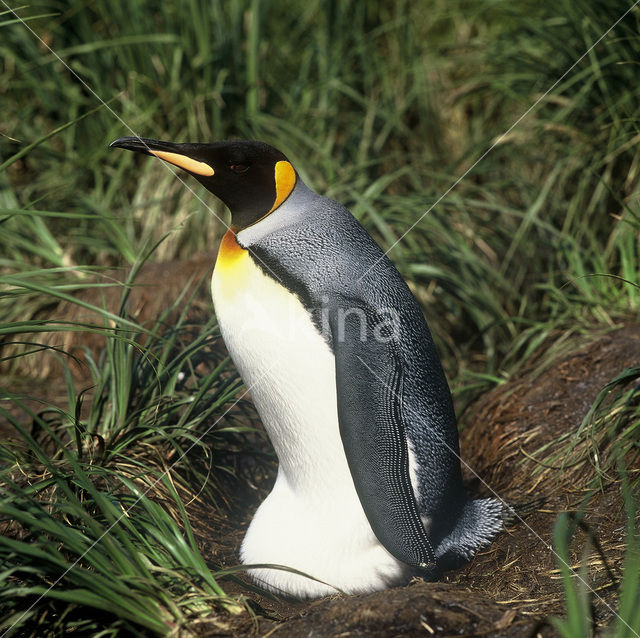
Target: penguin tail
[[479, 521]]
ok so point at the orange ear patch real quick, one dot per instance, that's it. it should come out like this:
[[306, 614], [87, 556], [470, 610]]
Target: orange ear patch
[[187, 163], [285, 177]]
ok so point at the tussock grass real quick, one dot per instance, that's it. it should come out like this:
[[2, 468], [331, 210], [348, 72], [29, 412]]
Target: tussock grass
[[609, 432], [85, 536], [92, 508], [578, 585], [378, 99]]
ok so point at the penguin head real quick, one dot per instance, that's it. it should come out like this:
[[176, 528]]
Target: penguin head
[[251, 178]]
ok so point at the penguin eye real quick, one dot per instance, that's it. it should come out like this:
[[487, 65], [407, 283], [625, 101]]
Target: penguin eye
[[239, 168]]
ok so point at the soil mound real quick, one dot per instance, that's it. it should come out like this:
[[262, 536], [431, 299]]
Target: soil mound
[[511, 587]]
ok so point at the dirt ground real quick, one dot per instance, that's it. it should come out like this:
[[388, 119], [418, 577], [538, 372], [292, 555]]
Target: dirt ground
[[512, 586]]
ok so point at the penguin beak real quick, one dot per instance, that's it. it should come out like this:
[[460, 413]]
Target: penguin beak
[[180, 155]]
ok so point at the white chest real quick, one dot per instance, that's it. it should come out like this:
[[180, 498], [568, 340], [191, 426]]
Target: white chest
[[286, 366]]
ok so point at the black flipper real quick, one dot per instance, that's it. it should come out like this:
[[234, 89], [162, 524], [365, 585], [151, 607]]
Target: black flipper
[[369, 385]]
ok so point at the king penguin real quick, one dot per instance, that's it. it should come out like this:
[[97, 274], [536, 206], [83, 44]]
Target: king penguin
[[343, 371]]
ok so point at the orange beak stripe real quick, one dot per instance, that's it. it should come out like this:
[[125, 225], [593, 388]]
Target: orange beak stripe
[[182, 161]]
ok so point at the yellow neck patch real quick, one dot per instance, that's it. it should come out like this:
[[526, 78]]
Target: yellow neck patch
[[230, 250], [233, 266], [182, 161], [285, 177]]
